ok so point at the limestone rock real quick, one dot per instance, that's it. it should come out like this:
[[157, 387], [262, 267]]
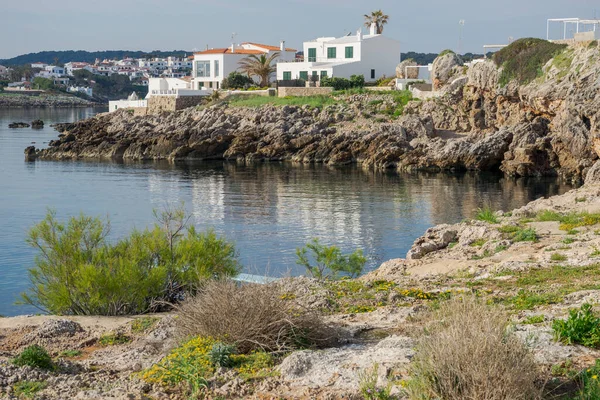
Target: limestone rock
[[407, 73], [444, 68]]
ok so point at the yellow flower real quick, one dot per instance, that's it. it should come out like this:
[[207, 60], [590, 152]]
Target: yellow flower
[[594, 376]]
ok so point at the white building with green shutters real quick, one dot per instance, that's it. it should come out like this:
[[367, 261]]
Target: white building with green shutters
[[371, 55]]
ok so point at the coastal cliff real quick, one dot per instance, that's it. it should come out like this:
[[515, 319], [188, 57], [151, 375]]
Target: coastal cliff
[[15, 100], [546, 127]]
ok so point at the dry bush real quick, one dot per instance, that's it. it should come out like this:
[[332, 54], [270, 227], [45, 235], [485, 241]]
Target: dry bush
[[251, 317], [468, 353]]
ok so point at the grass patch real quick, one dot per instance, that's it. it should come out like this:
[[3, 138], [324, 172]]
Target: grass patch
[[478, 243], [70, 353], [558, 257], [451, 245], [524, 59], [527, 300], [258, 101], [500, 248], [518, 233], [144, 324], [568, 240], [534, 319], [113, 339], [568, 222], [595, 253], [562, 61], [486, 214], [28, 389]]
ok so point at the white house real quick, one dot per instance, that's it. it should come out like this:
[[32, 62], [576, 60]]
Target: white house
[[132, 102], [175, 87], [371, 55], [81, 89], [51, 71], [213, 65], [40, 65], [74, 66], [3, 71]]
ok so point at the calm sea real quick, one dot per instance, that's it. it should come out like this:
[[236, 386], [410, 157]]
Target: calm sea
[[268, 209]]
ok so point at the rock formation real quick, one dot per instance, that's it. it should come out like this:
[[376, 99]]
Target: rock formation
[[407, 73]]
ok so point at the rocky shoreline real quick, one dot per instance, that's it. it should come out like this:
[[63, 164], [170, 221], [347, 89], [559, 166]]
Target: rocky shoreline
[[43, 101], [547, 127]]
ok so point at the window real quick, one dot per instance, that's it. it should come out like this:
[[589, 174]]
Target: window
[[315, 74], [312, 55], [216, 67], [323, 74], [287, 76], [349, 52], [304, 75], [202, 69], [331, 52], [372, 74], [210, 85]]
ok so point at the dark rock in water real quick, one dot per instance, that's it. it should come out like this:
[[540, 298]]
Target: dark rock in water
[[37, 124], [30, 153], [18, 125]]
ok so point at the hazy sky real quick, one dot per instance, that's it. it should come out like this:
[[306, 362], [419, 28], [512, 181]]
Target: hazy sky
[[420, 25]]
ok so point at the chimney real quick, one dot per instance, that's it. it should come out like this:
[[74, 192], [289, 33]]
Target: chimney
[[282, 46], [232, 47], [373, 30], [359, 35]]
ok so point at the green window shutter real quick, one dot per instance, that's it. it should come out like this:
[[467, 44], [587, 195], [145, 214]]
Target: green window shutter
[[323, 74], [315, 74], [349, 52], [331, 52], [304, 75], [287, 76], [312, 55]]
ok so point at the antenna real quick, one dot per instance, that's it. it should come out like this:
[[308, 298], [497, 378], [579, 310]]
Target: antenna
[[461, 24], [233, 35], [511, 39]]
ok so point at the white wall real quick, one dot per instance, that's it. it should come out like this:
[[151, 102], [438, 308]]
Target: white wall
[[118, 104]]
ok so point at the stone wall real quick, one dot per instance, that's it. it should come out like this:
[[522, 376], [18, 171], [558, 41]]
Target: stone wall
[[304, 91], [158, 104]]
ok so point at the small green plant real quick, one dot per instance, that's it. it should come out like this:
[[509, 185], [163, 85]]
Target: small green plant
[[558, 257], [28, 389], [500, 248], [518, 233], [572, 232], [34, 356], [113, 339], [589, 383], [595, 253], [329, 262], [70, 353], [367, 383], [580, 199], [534, 319], [581, 327], [144, 324], [568, 240], [478, 243], [220, 354], [486, 214], [563, 369], [451, 245]]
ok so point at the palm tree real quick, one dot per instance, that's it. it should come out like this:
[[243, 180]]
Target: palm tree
[[378, 18], [261, 66]]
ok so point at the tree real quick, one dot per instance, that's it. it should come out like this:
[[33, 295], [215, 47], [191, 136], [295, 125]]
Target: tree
[[235, 80], [329, 262], [378, 18], [261, 66]]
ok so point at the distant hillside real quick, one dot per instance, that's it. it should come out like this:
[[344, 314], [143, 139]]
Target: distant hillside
[[62, 57]]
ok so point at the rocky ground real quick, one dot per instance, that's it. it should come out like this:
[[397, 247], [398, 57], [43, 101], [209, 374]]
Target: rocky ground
[[531, 261], [546, 127], [42, 101]]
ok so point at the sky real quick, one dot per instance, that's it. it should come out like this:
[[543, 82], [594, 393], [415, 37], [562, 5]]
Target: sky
[[420, 25]]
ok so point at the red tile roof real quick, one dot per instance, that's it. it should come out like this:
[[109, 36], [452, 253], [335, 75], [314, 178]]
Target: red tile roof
[[267, 47], [228, 51]]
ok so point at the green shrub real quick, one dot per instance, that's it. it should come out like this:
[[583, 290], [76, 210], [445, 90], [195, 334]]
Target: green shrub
[[534, 319], [235, 80], [558, 257], [329, 262], [447, 51], [78, 272], [524, 59], [28, 389], [34, 356], [519, 234], [581, 327], [70, 353], [486, 214], [355, 81]]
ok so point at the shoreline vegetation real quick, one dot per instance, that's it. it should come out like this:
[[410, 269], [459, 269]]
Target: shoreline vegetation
[[501, 306]]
